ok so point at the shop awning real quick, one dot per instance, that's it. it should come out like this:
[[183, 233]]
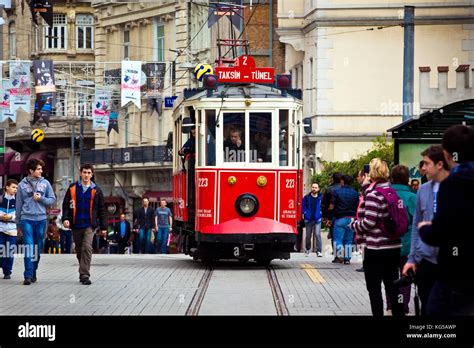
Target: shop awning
[[18, 164], [5, 166]]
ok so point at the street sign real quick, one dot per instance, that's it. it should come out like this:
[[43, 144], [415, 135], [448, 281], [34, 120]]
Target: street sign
[[2, 144], [244, 71], [169, 101]]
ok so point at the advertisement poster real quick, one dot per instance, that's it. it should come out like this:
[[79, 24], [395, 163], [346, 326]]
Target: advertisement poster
[[131, 82], [102, 107], [20, 91]]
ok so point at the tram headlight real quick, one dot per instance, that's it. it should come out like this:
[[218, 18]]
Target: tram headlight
[[246, 205]]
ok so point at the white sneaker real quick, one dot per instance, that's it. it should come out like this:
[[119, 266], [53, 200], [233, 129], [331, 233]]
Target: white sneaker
[[307, 253], [320, 254]]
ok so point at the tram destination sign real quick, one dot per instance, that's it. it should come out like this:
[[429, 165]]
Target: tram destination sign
[[244, 71]]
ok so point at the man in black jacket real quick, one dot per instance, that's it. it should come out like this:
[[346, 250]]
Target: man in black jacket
[[83, 212], [146, 223], [451, 228], [122, 233]]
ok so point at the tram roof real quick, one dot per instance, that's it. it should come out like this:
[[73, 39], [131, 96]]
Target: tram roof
[[239, 91]]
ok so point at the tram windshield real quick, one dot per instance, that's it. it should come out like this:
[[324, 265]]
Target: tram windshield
[[250, 137]]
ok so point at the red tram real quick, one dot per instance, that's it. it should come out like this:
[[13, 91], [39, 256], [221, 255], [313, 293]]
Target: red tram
[[237, 170]]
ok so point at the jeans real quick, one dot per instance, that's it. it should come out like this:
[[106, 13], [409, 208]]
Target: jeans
[[342, 238], [145, 241], [382, 265], [162, 239], [8, 244], [313, 228], [33, 239], [66, 241]]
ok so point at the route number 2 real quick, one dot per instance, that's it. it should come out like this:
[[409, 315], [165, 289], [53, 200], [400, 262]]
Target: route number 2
[[290, 183], [203, 182]]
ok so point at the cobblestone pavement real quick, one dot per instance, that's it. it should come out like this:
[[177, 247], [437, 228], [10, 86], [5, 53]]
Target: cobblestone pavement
[[166, 285]]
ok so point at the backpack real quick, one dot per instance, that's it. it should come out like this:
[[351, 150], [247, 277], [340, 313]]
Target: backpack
[[396, 223]]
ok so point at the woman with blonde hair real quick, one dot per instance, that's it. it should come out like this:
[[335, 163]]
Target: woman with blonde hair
[[382, 254]]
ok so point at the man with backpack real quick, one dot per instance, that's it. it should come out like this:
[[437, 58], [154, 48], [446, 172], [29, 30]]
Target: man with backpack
[[383, 220]]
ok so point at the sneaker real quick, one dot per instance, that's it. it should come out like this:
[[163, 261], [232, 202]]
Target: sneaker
[[33, 280], [347, 262], [320, 254], [7, 276], [306, 253], [336, 260], [27, 281], [360, 269], [86, 281]]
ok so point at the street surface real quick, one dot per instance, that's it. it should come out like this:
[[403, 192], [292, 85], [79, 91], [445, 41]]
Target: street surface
[[177, 285]]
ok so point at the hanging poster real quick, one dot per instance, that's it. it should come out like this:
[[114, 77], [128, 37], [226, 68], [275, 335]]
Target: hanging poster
[[102, 107], [113, 122], [20, 92], [131, 82], [45, 89]]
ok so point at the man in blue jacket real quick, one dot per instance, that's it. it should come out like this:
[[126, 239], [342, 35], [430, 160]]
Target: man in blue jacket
[[34, 195], [8, 230], [311, 210]]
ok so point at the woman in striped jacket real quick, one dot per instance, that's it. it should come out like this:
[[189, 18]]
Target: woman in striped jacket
[[382, 254]]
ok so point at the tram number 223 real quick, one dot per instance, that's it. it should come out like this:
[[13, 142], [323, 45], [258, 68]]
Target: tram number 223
[[290, 183], [203, 182]]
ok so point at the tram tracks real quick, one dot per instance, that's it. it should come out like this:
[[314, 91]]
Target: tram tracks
[[200, 294]]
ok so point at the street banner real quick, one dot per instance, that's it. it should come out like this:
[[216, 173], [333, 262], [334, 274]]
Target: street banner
[[113, 122], [102, 107], [20, 91], [131, 82], [44, 76], [45, 89], [44, 8], [43, 107], [231, 9], [155, 78], [5, 102]]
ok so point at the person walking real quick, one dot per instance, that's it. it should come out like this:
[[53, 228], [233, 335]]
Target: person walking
[[164, 221], [423, 258], [382, 255], [83, 212], [8, 230], [453, 291], [66, 238], [311, 211], [54, 237], [34, 195], [122, 233], [400, 177], [344, 202], [146, 223]]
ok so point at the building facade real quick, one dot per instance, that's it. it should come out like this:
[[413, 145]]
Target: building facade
[[348, 58], [70, 45]]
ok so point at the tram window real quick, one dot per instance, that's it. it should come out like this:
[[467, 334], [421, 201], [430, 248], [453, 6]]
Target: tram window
[[260, 137], [210, 137], [283, 138], [234, 137]]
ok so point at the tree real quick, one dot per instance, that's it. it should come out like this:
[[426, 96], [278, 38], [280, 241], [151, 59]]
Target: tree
[[381, 148]]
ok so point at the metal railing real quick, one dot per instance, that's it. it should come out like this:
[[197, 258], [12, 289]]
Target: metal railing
[[138, 154]]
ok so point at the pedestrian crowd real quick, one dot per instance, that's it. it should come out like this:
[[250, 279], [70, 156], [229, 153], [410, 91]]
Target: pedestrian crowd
[[24, 209], [414, 232]]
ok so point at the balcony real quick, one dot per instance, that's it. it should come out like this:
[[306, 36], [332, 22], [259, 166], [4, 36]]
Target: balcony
[[129, 155]]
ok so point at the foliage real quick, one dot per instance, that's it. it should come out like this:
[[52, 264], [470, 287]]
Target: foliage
[[380, 148]]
